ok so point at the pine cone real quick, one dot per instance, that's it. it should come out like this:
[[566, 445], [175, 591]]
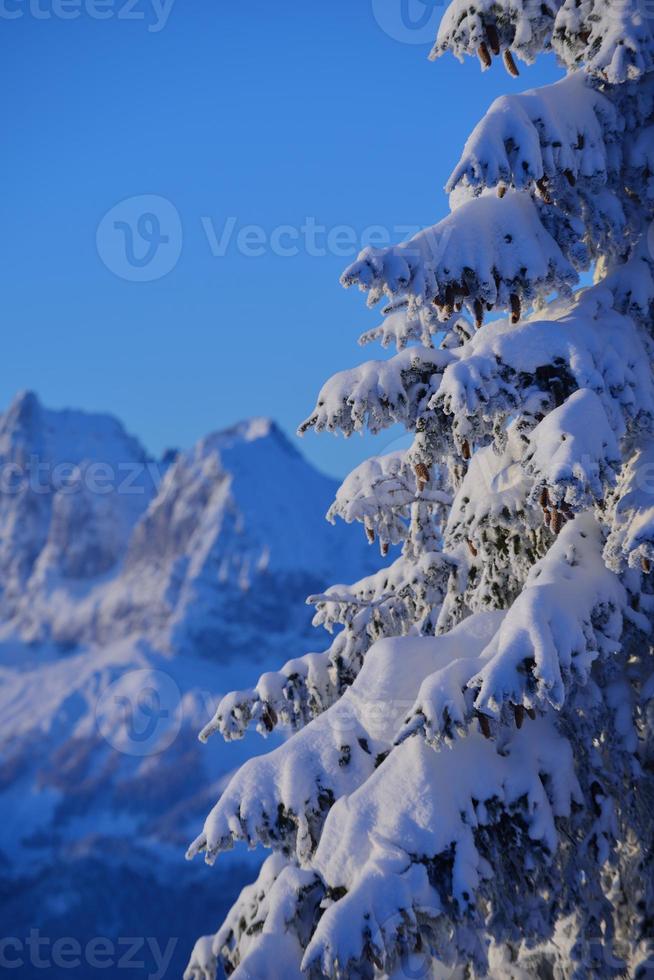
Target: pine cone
[[544, 498], [556, 522], [370, 534], [510, 64], [543, 191], [471, 548], [269, 717], [384, 548], [484, 725], [493, 38], [646, 565], [479, 313], [423, 476], [519, 713], [484, 55], [501, 190], [465, 450], [516, 308]]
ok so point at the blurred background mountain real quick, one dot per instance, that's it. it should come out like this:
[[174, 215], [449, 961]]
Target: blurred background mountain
[[134, 592]]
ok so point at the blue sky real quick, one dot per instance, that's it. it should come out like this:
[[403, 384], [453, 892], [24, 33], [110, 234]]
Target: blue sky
[[237, 114]]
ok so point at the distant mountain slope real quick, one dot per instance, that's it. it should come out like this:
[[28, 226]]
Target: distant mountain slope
[[134, 594]]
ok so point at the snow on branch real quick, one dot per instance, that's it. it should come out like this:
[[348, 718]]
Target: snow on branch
[[378, 394], [259, 938], [535, 366], [488, 254], [401, 329], [561, 132], [573, 455], [612, 39], [568, 615], [493, 530], [632, 285], [281, 799], [489, 27], [256, 938], [431, 812], [443, 707], [404, 596], [631, 540], [203, 964], [292, 696], [379, 493]]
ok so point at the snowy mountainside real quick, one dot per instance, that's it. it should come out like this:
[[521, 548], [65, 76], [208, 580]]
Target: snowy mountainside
[[195, 553], [56, 516], [135, 593]]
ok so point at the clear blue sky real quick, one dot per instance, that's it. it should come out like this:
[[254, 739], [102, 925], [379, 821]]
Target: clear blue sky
[[266, 113]]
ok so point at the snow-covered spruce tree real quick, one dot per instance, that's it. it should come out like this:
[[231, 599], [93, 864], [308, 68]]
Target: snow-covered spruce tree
[[471, 774]]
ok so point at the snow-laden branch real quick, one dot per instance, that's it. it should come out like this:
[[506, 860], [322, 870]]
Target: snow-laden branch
[[486, 28], [377, 394], [631, 539], [573, 455], [535, 366], [488, 254], [568, 615], [405, 596], [612, 39], [379, 493], [494, 530], [407, 591], [261, 938], [203, 963], [566, 131], [281, 799], [424, 858], [257, 938]]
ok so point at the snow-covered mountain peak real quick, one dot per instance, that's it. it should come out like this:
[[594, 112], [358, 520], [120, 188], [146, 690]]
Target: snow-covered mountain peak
[[99, 541], [249, 435]]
